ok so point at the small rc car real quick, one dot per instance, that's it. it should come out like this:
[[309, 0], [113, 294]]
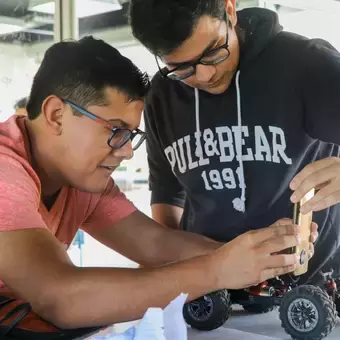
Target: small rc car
[[307, 312]]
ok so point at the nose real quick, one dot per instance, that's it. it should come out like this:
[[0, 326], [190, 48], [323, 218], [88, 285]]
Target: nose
[[204, 73], [125, 152]]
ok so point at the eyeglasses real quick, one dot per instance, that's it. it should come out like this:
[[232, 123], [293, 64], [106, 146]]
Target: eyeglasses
[[119, 136], [186, 70]]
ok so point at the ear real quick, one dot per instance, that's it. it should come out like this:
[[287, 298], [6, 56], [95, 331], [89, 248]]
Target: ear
[[52, 111], [230, 6]]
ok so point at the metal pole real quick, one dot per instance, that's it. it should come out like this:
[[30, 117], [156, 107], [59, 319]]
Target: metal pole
[[65, 20], [66, 27]]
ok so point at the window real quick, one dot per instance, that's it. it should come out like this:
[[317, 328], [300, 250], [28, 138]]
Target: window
[[25, 34]]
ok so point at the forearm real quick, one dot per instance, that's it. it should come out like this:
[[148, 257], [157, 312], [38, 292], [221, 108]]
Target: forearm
[[174, 245], [103, 296], [146, 242], [177, 245]]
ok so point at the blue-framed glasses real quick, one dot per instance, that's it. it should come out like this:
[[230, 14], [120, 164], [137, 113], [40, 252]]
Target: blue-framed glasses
[[119, 136]]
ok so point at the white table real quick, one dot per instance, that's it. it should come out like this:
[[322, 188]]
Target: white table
[[226, 334], [244, 326], [265, 324]]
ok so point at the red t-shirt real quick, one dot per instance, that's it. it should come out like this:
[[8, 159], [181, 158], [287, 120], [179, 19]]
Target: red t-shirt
[[21, 206]]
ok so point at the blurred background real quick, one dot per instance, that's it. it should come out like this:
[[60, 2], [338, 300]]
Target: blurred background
[[29, 27]]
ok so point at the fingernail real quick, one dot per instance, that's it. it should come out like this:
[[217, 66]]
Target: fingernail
[[292, 185], [293, 198]]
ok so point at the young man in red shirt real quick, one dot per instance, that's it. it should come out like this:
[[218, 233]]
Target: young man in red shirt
[[55, 176]]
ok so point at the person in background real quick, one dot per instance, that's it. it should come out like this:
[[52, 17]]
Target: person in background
[[20, 107], [83, 117], [242, 121]]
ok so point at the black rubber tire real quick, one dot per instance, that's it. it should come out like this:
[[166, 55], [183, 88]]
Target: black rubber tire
[[337, 305], [324, 305], [337, 297], [219, 307], [259, 308]]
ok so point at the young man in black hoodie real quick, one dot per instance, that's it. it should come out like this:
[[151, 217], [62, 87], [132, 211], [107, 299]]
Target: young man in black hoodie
[[242, 122]]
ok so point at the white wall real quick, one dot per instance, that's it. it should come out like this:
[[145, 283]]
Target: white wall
[[16, 74], [141, 57], [314, 24]]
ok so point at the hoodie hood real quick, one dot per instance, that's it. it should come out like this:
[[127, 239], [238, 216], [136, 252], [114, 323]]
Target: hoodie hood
[[256, 27]]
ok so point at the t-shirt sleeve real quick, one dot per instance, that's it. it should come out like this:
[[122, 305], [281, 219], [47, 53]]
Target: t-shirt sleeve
[[19, 197], [321, 91], [111, 207], [164, 185]]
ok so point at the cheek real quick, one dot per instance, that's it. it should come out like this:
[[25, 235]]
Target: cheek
[[234, 57], [134, 116], [227, 66], [190, 81], [85, 150]]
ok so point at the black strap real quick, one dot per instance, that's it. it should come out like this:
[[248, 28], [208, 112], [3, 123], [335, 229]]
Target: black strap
[[5, 301], [25, 308], [11, 332], [72, 334]]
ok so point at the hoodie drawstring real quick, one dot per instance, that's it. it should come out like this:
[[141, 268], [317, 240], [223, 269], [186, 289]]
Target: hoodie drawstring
[[239, 202], [199, 150]]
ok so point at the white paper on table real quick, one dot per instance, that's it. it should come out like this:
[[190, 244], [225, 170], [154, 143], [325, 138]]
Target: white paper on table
[[151, 326], [157, 324], [175, 327]]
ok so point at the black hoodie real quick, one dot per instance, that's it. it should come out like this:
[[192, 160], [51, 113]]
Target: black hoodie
[[286, 97]]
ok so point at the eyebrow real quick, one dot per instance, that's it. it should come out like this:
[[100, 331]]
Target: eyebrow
[[114, 121], [207, 49]]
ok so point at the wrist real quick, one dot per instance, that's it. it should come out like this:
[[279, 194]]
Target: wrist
[[212, 244], [221, 268], [213, 270], [216, 245]]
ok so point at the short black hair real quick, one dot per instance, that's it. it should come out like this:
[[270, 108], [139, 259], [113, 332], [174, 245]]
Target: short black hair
[[21, 103], [80, 71], [163, 25]]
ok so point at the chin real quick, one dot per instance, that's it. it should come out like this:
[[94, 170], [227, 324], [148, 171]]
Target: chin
[[95, 190], [97, 187], [91, 189], [221, 86], [217, 89]]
